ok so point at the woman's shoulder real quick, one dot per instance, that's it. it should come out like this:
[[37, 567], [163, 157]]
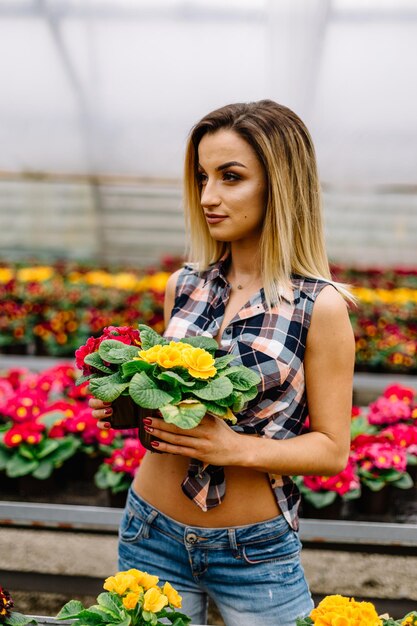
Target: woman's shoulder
[[309, 288]]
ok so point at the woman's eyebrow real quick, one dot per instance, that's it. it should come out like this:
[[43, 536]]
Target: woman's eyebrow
[[220, 168]]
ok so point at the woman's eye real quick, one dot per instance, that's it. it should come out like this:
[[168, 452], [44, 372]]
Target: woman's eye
[[231, 176], [201, 178]]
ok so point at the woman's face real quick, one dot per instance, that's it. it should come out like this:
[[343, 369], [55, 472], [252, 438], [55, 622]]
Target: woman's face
[[233, 186]]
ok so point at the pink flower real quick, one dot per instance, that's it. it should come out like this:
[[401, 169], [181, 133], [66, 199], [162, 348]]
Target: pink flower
[[31, 433], [25, 406], [386, 411], [403, 436], [125, 334], [382, 456], [128, 458], [398, 392], [89, 347], [6, 392], [341, 483]]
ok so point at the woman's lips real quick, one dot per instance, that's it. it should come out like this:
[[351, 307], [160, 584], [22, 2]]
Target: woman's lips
[[215, 219]]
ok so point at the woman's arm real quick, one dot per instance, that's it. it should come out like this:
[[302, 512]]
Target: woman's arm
[[329, 363]]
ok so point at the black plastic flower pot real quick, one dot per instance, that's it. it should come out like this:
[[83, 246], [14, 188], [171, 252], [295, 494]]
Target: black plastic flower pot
[[127, 414], [374, 502], [117, 500], [331, 511]]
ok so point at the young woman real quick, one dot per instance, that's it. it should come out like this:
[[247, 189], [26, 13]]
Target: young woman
[[216, 515]]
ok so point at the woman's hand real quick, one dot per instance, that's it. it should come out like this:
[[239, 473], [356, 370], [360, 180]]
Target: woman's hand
[[212, 441], [101, 411]]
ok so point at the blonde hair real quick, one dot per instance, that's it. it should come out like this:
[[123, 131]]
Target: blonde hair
[[292, 239]]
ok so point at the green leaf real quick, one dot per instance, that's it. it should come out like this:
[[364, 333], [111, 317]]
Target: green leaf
[[44, 470], [178, 619], [215, 409], [111, 603], [46, 447], [243, 397], [216, 389], [173, 376], [18, 619], [19, 466], [223, 361], [51, 417], [150, 338], [108, 388], [5, 454], [27, 451], [98, 610], [320, 499], [83, 379], [404, 482], [146, 393], [116, 352], [90, 618], [243, 379], [200, 341], [70, 610], [96, 361], [184, 415], [67, 448], [131, 367]]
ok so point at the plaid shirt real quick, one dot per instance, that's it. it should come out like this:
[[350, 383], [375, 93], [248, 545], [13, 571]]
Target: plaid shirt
[[272, 343]]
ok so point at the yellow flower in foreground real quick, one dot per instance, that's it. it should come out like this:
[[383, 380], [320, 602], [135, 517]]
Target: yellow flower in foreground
[[340, 611], [170, 356], [199, 362], [150, 355], [172, 594], [131, 600], [143, 578], [122, 582], [154, 600]]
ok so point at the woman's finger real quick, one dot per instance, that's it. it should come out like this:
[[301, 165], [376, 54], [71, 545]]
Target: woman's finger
[[95, 403]]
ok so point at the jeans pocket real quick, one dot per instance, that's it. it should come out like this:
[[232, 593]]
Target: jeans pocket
[[132, 528], [283, 548]]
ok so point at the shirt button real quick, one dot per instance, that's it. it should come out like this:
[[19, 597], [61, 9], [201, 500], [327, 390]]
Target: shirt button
[[228, 331], [192, 538]]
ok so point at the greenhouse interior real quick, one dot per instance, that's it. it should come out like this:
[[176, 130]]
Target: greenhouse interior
[[100, 100]]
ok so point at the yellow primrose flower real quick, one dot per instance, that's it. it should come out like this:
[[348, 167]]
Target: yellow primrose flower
[[131, 600], [172, 594], [144, 579], [150, 355], [170, 356], [6, 275], [154, 600], [340, 611], [180, 345], [35, 274], [199, 362], [122, 582]]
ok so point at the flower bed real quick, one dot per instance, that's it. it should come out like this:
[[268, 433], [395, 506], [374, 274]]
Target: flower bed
[[46, 430], [383, 455], [53, 309], [385, 322]]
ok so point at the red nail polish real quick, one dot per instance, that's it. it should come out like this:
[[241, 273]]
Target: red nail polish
[[155, 444], [149, 429], [146, 420], [106, 425], [108, 411]]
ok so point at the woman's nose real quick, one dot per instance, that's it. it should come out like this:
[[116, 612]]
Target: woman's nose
[[209, 195]]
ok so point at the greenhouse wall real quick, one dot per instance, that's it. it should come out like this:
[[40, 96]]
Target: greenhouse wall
[[138, 221]]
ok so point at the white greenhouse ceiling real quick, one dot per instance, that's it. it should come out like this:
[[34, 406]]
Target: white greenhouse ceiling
[[113, 86]]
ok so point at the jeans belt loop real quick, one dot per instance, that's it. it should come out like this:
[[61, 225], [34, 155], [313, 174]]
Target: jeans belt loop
[[232, 540], [148, 523]]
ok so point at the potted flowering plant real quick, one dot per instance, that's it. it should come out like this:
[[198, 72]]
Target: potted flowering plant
[[324, 495], [9, 617], [132, 598], [182, 379], [117, 471], [337, 610]]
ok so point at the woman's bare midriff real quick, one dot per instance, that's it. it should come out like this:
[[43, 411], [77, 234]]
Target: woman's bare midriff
[[249, 496]]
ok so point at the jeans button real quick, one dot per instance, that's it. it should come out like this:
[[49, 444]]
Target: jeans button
[[192, 538]]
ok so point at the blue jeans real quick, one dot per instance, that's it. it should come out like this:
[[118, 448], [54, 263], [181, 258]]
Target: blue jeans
[[253, 573]]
